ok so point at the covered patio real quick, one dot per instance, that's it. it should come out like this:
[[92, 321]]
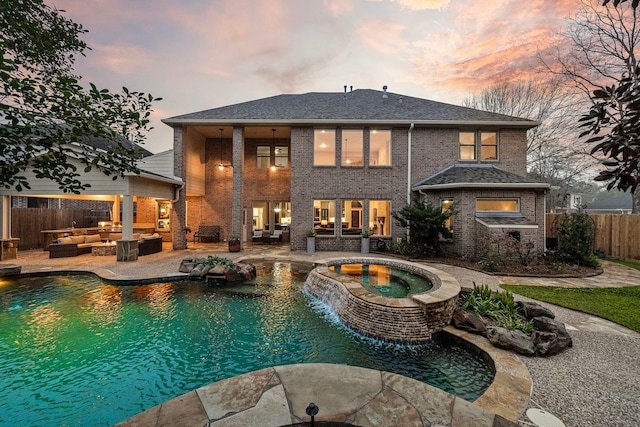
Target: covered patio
[[120, 191]]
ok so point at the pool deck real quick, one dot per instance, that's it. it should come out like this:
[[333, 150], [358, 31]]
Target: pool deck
[[594, 383]]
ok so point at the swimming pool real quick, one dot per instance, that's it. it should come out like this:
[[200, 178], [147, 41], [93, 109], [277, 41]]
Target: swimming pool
[[76, 351], [385, 280]]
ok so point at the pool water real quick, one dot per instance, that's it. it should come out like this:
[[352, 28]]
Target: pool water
[[75, 351], [387, 281]]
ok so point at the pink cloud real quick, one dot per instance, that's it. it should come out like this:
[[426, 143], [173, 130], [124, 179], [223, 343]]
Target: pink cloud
[[382, 36], [492, 41]]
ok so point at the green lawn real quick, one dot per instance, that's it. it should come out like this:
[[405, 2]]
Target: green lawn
[[620, 305]]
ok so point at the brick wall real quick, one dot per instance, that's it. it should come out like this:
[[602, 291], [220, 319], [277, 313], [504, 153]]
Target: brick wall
[[468, 234], [433, 149]]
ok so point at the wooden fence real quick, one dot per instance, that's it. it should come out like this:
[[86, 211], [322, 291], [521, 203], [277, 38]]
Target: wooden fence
[[27, 223], [618, 236]]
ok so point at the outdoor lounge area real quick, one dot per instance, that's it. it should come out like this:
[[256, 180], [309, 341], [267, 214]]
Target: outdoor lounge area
[[72, 246]]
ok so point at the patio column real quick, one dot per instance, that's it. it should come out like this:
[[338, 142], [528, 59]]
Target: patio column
[[179, 205], [127, 248], [5, 220], [115, 212], [237, 197]]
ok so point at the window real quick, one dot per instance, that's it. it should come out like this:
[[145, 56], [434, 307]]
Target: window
[[324, 217], [446, 205], [282, 157], [488, 146], [264, 157], [497, 205], [467, 146], [164, 213], [324, 147], [380, 217], [380, 148], [352, 147], [351, 217]]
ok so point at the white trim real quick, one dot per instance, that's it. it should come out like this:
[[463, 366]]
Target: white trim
[[506, 225]]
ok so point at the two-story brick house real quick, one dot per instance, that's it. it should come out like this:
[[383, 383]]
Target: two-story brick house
[[342, 162]]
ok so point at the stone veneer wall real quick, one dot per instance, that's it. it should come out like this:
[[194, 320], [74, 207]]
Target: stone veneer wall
[[406, 320]]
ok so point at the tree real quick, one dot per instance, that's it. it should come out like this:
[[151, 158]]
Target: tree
[[426, 225], [601, 61], [552, 155], [47, 116]]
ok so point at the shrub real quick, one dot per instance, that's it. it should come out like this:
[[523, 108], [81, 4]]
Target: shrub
[[576, 235], [426, 224], [497, 306], [212, 261]]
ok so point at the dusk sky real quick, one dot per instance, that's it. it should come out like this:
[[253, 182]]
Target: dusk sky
[[199, 54]]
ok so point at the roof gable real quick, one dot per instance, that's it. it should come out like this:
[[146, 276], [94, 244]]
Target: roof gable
[[362, 105]]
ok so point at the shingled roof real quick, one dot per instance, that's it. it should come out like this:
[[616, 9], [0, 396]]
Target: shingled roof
[[360, 105], [478, 176]]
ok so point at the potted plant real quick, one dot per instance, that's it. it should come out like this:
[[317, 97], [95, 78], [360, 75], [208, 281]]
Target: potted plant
[[364, 247], [311, 241], [234, 244]]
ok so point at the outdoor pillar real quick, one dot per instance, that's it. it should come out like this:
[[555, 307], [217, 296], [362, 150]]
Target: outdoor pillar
[[5, 221], [127, 247], [237, 209], [115, 212], [179, 204], [8, 245]]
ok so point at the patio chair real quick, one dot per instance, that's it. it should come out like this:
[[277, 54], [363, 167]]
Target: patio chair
[[276, 236], [257, 236]]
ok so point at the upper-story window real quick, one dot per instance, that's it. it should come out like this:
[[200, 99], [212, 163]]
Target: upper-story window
[[488, 146], [380, 148], [467, 145], [272, 157], [263, 157], [281, 156], [487, 141], [352, 152], [324, 147]]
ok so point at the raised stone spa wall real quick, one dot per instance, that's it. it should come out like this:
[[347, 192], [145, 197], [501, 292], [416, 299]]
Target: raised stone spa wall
[[406, 320]]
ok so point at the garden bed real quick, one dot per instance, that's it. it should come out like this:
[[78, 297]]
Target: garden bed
[[512, 268]]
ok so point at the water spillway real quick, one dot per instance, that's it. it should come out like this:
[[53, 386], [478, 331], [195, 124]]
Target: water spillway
[[413, 319]]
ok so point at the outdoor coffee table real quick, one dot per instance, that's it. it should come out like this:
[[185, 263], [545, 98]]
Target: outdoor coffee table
[[103, 249]]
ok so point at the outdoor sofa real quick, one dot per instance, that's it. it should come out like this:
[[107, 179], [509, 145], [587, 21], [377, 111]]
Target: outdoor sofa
[[77, 245]]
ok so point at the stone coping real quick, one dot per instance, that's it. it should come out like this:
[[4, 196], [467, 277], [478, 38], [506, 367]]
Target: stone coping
[[279, 396], [445, 286]]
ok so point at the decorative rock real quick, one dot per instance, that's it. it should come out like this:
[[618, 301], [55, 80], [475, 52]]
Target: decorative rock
[[186, 265], [512, 340], [532, 309], [247, 271], [550, 336], [468, 321], [204, 271], [232, 275], [195, 272], [218, 270]]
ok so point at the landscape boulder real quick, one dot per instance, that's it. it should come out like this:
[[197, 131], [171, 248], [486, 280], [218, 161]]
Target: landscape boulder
[[512, 340], [529, 310], [550, 336], [468, 321], [186, 265]]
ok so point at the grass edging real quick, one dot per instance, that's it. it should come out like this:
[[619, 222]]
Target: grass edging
[[619, 305]]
